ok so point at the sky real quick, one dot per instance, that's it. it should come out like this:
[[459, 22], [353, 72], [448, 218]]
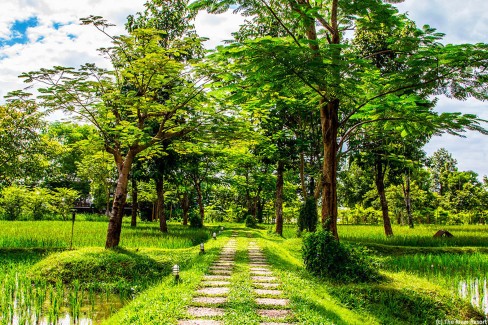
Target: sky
[[38, 34]]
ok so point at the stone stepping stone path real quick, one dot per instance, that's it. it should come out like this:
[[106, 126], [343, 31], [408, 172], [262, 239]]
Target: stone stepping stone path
[[211, 298], [214, 289], [273, 306]]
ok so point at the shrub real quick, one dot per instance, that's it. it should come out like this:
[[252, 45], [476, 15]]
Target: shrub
[[307, 219], [326, 257], [13, 201], [195, 220], [251, 222]]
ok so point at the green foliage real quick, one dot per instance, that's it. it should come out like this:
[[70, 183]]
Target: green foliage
[[359, 215], [250, 221], [12, 202], [308, 217], [195, 219], [18, 202], [326, 257]]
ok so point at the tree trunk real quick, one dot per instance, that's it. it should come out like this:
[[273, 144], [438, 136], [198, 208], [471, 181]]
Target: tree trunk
[[259, 212], [185, 205], [199, 198], [107, 207], [161, 213], [408, 200], [135, 203], [329, 126], [120, 196], [279, 198], [302, 177], [380, 187]]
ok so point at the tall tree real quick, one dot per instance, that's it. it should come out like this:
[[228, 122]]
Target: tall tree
[[345, 88], [21, 145], [151, 83]]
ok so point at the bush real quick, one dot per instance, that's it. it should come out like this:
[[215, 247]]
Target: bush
[[326, 257], [251, 222], [12, 201], [195, 220], [307, 219]]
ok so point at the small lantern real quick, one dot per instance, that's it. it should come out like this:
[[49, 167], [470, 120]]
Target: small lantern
[[214, 235], [222, 228], [202, 249], [176, 272]]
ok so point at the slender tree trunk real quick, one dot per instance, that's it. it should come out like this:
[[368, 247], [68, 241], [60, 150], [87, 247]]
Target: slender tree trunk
[[302, 176], [329, 125], [185, 205], [380, 187], [135, 203], [161, 213], [120, 196], [279, 198], [259, 212], [107, 207], [199, 198], [408, 200]]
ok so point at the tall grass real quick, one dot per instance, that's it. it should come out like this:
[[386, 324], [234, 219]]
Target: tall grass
[[420, 236], [56, 234]]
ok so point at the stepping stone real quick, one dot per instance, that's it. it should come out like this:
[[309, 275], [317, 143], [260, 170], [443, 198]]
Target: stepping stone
[[264, 292], [259, 269], [205, 311], [262, 278], [210, 300], [272, 323], [261, 273], [258, 264], [216, 277], [214, 291], [222, 267], [199, 322], [274, 313], [220, 272], [215, 283], [272, 301], [266, 285]]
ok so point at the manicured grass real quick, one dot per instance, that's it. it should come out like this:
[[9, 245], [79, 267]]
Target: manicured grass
[[57, 234]]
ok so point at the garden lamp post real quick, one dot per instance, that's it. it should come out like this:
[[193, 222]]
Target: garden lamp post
[[176, 272], [214, 235], [202, 248], [73, 216]]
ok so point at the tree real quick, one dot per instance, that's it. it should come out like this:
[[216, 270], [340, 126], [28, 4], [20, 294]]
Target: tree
[[152, 83], [20, 141], [347, 89], [441, 164]]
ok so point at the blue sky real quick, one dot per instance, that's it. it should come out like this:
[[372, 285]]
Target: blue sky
[[44, 33]]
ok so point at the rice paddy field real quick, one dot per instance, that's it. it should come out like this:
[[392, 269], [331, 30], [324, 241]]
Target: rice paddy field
[[57, 235]]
